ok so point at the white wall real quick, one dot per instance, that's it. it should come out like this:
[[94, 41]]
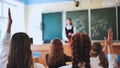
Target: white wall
[[17, 12], [34, 15], [18, 19], [18, 16]]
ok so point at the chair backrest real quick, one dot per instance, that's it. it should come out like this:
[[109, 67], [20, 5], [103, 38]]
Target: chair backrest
[[47, 41]]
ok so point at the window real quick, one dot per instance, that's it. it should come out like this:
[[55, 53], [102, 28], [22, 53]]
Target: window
[[5, 9], [3, 23], [0, 9], [3, 18]]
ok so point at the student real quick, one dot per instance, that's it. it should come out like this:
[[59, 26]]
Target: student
[[56, 57], [17, 53], [112, 57], [69, 30], [80, 46], [98, 59]]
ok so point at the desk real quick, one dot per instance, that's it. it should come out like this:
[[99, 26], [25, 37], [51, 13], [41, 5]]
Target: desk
[[44, 48]]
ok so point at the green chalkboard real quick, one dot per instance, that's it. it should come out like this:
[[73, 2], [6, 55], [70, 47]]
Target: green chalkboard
[[101, 21], [79, 20], [119, 22], [52, 25]]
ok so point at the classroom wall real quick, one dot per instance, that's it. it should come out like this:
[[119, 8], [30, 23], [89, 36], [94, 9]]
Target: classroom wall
[[18, 18], [17, 12], [33, 15]]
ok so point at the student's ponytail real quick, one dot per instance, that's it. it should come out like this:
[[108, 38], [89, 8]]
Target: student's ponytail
[[97, 48], [103, 60]]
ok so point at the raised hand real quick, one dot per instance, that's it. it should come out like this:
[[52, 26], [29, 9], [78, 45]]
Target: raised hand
[[9, 16], [108, 41], [110, 37], [9, 21]]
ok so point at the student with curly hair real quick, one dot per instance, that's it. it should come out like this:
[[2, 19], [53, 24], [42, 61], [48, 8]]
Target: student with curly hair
[[80, 46]]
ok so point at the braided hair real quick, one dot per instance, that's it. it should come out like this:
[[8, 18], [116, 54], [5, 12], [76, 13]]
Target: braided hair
[[81, 46]]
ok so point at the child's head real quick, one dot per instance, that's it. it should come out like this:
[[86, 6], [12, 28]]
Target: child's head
[[20, 55], [57, 46], [56, 52], [96, 48], [81, 46], [69, 21], [97, 51]]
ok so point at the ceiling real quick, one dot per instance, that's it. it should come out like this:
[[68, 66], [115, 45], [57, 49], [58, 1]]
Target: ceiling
[[29, 2]]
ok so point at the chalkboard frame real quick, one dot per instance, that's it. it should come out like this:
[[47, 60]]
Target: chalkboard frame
[[89, 22], [42, 24], [115, 22], [80, 11], [118, 10]]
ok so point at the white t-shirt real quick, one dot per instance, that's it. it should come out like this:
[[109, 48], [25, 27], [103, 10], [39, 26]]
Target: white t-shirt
[[5, 50], [94, 62], [70, 66], [112, 61], [64, 32]]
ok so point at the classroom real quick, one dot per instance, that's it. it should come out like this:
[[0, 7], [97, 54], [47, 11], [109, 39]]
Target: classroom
[[45, 21]]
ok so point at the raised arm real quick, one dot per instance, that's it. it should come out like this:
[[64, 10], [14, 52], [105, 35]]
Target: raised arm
[[5, 43], [108, 42], [9, 22], [112, 57]]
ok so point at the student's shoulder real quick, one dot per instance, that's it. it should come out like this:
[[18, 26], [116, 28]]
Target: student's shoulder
[[38, 65]]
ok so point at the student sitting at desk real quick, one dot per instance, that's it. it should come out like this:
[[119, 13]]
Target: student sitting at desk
[[16, 53], [56, 57], [98, 58], [80, 46]]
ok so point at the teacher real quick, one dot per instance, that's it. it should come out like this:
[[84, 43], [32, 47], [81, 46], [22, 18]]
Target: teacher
[[69, 30]]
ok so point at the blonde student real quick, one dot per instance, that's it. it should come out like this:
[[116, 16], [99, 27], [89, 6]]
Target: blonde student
[[16, 53]]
